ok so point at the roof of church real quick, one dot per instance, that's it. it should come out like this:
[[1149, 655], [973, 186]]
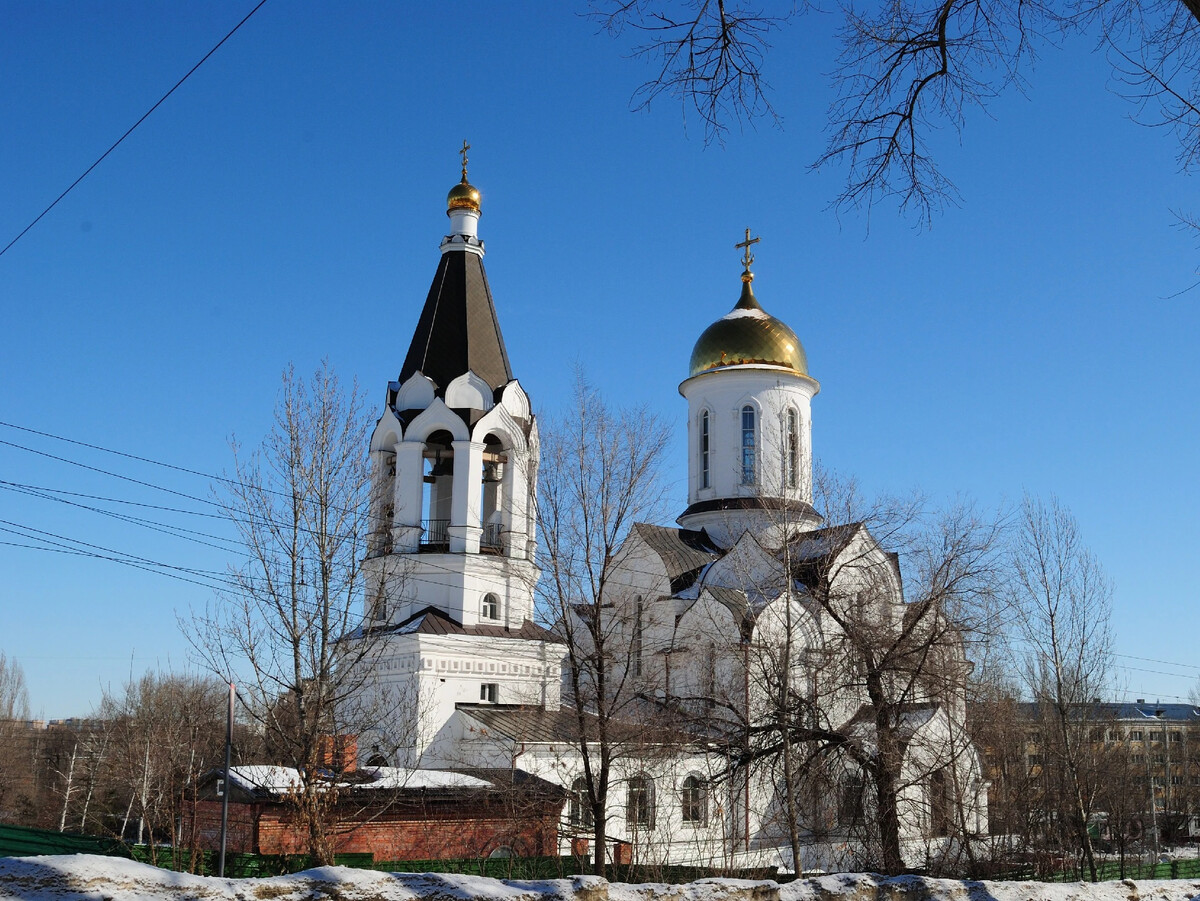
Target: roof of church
[[529, 724], [458, 329], [684, 552], [800, 509], [537, 725], [432, 621]]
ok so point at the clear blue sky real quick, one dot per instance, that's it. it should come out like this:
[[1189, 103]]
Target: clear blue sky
[[287, 202]]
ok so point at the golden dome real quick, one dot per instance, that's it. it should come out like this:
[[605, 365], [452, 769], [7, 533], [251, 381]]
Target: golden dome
[[463, 196], [747, 335]]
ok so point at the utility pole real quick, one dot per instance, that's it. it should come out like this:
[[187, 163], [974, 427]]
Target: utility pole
[[225, 782]]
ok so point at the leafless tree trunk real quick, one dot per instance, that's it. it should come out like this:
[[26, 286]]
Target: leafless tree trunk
[[292, 631], [878, 653], [599, 475], [1065, 600]]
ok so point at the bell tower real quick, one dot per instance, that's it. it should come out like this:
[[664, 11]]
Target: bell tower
[[450, 571], [749, 400]]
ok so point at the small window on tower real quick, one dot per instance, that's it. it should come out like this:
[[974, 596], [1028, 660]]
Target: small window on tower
[[704, 449], [793, 450], [749, 461], [488, 692], [490, 608]]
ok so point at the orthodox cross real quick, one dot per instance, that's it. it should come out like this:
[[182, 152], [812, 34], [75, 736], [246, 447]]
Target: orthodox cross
[[747, 256], [466, 147]]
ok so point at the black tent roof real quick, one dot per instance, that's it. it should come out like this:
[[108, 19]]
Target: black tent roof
[[458, 329]]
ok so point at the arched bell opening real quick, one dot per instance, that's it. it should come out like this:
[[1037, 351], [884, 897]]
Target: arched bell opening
[[492, 496], [383, 507], [437, 495]]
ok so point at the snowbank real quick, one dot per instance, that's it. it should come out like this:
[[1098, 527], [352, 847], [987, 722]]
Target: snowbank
[[83, 877]]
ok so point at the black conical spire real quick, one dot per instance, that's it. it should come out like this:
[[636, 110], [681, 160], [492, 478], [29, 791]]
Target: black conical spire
[[458, 329]]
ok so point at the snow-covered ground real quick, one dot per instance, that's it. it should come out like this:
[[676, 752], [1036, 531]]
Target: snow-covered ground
[[84, 877]]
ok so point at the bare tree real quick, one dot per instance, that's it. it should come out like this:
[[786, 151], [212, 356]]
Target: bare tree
[[844, 683], [14, 708], [156, 737], [292, 627], [1065, 601], [909, 68], [600, 473]]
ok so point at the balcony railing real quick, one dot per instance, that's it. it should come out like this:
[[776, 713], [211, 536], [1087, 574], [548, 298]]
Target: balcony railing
[[492, 540], [435, 535]]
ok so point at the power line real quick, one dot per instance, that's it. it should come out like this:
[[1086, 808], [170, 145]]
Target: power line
[[1164, 662], [153, 525], [109, 450], [235, 482], [42, 490], [131, 128], [105, 472]]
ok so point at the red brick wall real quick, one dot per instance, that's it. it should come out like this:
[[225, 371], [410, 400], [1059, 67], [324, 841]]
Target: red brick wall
[[434, 831]]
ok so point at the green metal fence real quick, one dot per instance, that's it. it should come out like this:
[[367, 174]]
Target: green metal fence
[[21, 841]]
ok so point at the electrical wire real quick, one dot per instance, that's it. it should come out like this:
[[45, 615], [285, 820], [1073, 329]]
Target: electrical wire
[[145, 116]]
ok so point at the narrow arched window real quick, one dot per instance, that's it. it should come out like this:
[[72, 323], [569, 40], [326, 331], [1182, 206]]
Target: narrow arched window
[[704, 449], [489, 608], [693, 802], [635, 650], [748, 445], [639, 803], [792, 434]]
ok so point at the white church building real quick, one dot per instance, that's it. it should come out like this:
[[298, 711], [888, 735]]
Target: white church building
[[451, 578]]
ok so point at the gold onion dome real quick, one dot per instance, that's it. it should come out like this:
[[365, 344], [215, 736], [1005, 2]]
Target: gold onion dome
[[748, 335], [463, 196]]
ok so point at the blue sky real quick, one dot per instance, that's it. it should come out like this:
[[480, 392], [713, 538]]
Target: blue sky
[[286, 205]]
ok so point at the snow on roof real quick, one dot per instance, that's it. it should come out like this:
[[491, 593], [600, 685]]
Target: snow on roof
[[84, 876], [279, 780], [402, 777]]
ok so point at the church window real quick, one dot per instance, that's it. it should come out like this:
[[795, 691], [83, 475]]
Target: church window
[[704, 449], [580, 810], [490, 608], [693, 800], [793, 450], [379, 605], [639, 803], [635, 649], [939, 804], [488, 692], [850, 800], [749, 461]]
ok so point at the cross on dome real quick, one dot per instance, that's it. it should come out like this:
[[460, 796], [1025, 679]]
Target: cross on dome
[[747, 256], [463, 152]]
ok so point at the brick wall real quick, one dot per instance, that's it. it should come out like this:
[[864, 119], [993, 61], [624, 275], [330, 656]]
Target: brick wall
[[404, 831]]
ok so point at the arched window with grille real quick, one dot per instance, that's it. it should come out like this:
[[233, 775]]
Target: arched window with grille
[[693, 801], [749, 446], [704, 478], [792, 449], [639, 803]]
